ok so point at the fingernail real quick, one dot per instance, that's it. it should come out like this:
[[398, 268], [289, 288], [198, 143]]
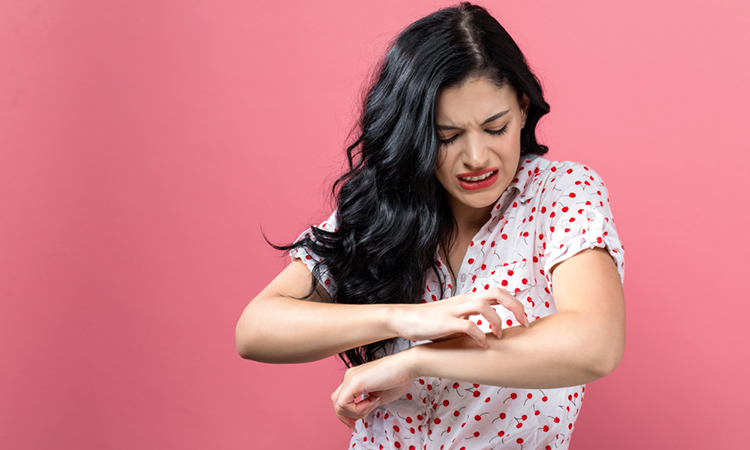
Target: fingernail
[[526, 322]]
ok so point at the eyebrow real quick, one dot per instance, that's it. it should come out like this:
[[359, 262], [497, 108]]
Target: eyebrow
[[495, 117]]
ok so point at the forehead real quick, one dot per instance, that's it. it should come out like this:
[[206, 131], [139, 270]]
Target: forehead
[[473, 102]]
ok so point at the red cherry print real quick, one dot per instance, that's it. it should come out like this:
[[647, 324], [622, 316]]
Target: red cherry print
[[570, 171], [412, 430], [575, 394], [502, 416], [408, 396], [515, 204], [504, 283], [476, 434], [477, 393], [519, 424], [510, 272], [397, 444], [565, 209], [487, 400], [509, 322], [486, 287], [524, 417], [471, 261], [484, 266], [456, 413], [519, 441], [552, 215], [477, 417], [455, 385], [557, 420], [385, 416], [308, 257], [408, 419], [513, 395], [570, 426], [546, 428], [446, 403], [396, 428], [421, 381], [420, 417], [492, 244], [537, 412], [504, 236], [572, 195], [554, 169], [411, 447]]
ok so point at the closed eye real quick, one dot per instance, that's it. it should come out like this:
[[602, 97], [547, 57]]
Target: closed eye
[[499, 132], [452, 139]]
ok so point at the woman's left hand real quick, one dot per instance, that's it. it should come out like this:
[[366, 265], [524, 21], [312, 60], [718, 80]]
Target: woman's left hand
[[384, 380]]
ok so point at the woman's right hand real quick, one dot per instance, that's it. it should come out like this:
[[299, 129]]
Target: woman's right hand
[[449, 318]]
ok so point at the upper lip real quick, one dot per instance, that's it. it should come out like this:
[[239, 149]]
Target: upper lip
[[478, 173]]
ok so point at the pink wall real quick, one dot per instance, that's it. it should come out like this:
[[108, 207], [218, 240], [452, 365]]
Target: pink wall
[[144, 143]]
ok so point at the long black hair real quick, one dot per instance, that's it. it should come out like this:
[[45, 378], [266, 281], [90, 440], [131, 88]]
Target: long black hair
[[391, 210]]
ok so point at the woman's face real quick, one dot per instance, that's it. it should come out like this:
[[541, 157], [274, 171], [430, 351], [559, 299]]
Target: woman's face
[[480, 130]]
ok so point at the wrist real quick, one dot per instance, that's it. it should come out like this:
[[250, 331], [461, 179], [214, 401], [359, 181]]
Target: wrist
[[413, 360]]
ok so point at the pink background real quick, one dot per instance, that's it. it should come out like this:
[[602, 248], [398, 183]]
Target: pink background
[[143, 145]]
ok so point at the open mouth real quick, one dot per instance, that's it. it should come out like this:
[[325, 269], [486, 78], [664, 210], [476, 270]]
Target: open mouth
[[479, 178]]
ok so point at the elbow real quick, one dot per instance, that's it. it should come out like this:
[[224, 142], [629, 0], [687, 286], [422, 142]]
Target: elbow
[[244, 342], [606, 359]]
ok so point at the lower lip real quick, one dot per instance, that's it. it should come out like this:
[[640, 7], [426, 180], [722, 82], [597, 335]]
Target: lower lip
[[474, 185]]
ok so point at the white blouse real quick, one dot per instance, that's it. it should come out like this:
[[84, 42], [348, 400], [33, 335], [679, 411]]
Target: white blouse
[[548, 213]]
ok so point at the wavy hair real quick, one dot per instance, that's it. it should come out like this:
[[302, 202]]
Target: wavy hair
[[391, 210]]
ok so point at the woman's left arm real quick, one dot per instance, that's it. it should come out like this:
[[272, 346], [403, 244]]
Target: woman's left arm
[[582, 342]]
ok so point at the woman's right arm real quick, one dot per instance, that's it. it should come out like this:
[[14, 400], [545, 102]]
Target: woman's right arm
[[277, 328]]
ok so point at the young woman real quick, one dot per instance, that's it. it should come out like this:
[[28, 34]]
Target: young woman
[[472, 285]]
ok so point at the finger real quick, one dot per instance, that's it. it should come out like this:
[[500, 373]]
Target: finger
[[512, 304], [473, 330], [350, 423], [335, 395], [496, 322]]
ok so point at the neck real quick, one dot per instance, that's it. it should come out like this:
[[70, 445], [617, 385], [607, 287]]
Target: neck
[[469, 220]]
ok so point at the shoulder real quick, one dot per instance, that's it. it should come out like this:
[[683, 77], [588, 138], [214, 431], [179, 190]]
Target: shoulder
[[556, 180]]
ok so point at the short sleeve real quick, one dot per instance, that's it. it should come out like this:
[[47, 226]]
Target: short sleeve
[[578, 217], [311, 259]]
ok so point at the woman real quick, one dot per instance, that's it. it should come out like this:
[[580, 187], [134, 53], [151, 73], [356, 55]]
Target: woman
[[450, 232]]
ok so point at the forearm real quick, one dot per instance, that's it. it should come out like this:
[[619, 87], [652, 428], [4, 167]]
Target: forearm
[[559, 350], [286, 330]]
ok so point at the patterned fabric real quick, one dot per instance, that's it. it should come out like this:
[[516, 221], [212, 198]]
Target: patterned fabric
[[549, 212]]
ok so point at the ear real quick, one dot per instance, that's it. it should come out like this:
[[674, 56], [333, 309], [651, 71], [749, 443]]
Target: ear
[[524, 105]]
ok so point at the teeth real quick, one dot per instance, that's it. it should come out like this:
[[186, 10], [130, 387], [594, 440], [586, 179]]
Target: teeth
[[483, 177]]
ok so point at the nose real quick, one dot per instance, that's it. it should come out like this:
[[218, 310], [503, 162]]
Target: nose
[[475, 152]]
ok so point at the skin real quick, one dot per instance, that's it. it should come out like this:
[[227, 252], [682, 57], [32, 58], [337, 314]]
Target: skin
[[580, 343]]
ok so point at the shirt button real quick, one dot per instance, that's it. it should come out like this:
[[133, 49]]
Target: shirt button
[[463, 277], [592, 215]]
